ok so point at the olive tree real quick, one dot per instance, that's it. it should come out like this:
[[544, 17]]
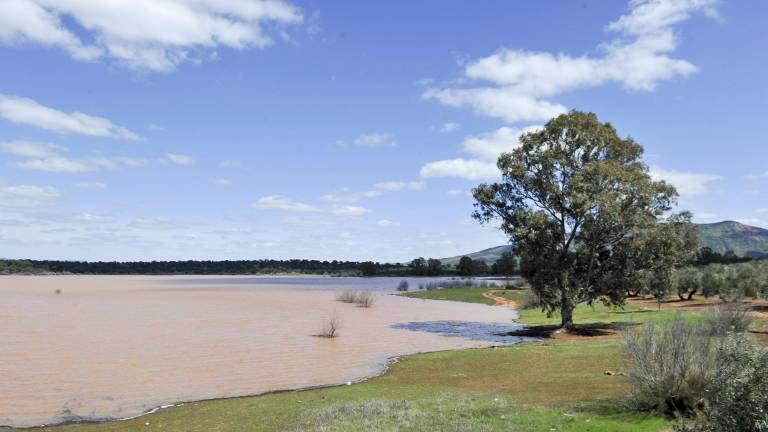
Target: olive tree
[[574, 197]]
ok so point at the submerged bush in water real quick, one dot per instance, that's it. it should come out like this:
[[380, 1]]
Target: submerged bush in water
[[403, 285], [330, 327], [361, 298]]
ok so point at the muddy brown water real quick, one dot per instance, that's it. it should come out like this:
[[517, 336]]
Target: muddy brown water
[[111, 347]]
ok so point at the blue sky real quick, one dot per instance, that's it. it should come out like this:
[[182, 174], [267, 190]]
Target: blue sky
[[223, 129]]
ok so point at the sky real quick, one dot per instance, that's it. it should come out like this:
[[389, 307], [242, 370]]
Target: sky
[[249, 129]]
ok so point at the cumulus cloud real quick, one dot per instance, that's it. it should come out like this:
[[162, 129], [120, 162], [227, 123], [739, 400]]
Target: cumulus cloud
[[278, 202], [27, 195], [27, 111], [180, 159], [378, 189], [484, 150], [522, 83], [687, 184], [375, 140], [146, 34]]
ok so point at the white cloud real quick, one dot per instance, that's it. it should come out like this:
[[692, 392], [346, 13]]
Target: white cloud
[[375, 140], [27, 111], [180, 159], [378, 189], [277, 202], [27, 195], [221, 182], [762, 210], [147, 34], [30, 148], [386, 223], [91, 185], [754, 222], [469, 169], [687, 184], [349, 211], [522, 82], [485, 150], [449, 127], [63, 164]]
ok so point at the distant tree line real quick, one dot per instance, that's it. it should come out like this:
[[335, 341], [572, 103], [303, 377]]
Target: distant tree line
[[506, 265]]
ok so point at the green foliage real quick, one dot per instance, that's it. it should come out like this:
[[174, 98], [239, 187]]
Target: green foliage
[[738, 392], [576, 202], [369, 268]]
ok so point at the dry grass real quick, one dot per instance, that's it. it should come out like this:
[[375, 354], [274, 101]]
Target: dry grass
[[363, 299]]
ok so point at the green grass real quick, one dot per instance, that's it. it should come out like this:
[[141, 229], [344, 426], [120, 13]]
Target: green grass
[[531, 387], [470, 295], [524, 388]]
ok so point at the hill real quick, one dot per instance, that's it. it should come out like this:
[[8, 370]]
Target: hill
[[744, 240], [489, 255]]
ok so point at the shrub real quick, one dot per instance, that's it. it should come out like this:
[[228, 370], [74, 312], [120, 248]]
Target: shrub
[[727, 318], [347, 296], [330, 327], [403, 285], [669, 366], [364, 299], [738, 392], [361, 298]]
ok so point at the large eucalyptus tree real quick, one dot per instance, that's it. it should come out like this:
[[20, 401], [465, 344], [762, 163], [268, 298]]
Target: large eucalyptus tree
[[576, 201]]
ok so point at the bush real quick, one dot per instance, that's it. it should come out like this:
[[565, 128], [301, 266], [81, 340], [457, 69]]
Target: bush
[[364, 299], [727, 318], [669, 366], [347, 296], [330, 327], [361, 298], [738, 392], [402, 286]]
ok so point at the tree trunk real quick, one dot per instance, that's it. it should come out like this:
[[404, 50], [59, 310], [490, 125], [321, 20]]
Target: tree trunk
[[690, 294], [566, 311]]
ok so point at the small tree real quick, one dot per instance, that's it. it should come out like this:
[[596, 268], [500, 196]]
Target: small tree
[[574, 197], [465, 267]]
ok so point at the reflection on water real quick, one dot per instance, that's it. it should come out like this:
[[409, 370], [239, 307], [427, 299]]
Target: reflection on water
[[117, 346], [482, 331]]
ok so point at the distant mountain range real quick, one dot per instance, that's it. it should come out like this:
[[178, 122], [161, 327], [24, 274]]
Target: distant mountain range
[[743, 240]]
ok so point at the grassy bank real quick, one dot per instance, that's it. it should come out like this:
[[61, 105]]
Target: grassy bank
[[553, 386], [525, 388]]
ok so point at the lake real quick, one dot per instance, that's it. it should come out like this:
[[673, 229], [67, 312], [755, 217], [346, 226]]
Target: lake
[[108, 347]]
